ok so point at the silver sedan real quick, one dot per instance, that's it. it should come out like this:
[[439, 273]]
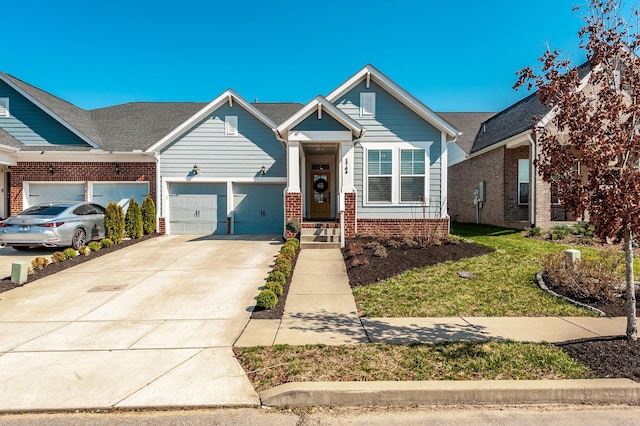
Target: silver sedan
[[54, 225]]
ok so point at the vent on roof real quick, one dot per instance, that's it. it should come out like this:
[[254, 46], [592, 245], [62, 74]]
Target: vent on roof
[[4, 107], [231, 125], [367, 104]]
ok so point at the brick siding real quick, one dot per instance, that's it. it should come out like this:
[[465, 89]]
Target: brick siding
[[293, 209], [77, 172], [403, 228]]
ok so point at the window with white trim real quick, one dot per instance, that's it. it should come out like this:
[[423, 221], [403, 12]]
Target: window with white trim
[[367, 104], [523, 181], [379, 175], [4, 107], [412, 175], [231, 125]]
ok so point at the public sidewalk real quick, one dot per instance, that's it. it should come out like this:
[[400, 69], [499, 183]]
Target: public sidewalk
[[320, 309]]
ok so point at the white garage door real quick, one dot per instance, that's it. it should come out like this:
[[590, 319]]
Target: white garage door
[[121, 193], [46, 192]]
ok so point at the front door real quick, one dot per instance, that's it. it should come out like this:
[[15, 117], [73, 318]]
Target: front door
[[321, 195]]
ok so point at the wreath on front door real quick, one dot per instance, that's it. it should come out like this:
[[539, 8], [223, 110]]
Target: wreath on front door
[[321, 185]]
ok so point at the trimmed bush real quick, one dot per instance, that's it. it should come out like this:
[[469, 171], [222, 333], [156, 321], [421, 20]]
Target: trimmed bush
[[277, 276], [293, 242], [106, 242], [39, 262], [288, 251], [114, 222], [267, 299], [285, 268], [84, 250], [58, 256], [94, 246], [533, 231], [560, 232], [133, 220], [274, 287], [70, 253], [148, 210]]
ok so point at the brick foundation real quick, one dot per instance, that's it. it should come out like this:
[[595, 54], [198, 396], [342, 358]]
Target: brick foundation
[[403, 228], [349, 215], [162, 226], [77, 172], [293, 209]]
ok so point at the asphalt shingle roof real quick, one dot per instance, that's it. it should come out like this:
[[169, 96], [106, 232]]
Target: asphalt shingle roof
[[516, 119], [8, 140], [468, 123]]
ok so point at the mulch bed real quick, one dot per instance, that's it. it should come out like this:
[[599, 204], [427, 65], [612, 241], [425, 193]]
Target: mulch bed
[[278, 311], [404, 258], [52, 268]]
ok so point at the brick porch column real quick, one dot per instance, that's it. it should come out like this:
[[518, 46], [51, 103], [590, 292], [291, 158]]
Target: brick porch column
[[293, 209], [349, 215]]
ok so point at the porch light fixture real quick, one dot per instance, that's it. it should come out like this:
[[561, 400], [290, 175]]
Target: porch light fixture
[[195, 170], [263, 170], [346, 166], [117, 169], [50, 168]]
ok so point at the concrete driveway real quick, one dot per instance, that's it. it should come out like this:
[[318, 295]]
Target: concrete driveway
[[150, 325]]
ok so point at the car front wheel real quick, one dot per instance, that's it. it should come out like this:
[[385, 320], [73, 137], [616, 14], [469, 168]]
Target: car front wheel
[[79, 238]]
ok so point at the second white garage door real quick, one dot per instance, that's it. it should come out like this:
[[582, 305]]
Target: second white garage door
[[120, 192]]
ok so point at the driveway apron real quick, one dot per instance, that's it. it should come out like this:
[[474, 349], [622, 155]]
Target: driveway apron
[[150, 325]]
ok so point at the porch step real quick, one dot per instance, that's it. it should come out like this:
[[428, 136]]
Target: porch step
[[320, 238]]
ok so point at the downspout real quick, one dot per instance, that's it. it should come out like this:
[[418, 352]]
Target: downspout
[[532, 185], [156, 155]]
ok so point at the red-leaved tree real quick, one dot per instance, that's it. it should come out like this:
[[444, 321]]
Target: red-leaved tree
[[595, 122]]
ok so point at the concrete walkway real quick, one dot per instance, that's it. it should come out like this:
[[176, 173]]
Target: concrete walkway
[[320, 309]]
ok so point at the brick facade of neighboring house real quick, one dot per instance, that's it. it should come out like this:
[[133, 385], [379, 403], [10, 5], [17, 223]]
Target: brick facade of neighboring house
[[77, 172]]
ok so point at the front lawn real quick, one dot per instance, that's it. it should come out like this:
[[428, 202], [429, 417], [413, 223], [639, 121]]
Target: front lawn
[[504, 282], [267, 367]]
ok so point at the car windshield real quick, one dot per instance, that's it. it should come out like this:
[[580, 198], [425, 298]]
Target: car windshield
[[44, 210]]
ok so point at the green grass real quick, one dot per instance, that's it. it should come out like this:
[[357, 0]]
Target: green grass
[[504, 283], [271, 366]]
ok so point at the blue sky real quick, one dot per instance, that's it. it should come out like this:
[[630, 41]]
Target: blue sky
[[455, 55]]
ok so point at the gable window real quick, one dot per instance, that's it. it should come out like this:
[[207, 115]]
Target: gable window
[[412, 175], [231, 125], [523, 181], [380, 174], [367, 104], [4, 107]]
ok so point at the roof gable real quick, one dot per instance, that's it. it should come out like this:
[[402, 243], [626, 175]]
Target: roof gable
[[320, 105], [370, 73], [75, 119], [228, 96]]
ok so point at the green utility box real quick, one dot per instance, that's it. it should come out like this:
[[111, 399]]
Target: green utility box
[[19, 272]]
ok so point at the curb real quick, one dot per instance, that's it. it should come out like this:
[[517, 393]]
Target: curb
[[490, 392]]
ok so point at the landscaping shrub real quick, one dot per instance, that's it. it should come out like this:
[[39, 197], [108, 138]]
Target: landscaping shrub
[[293, 225], [70, 253], [394, 243], [288, 251], [592, 279], [584, 229], [39, 262], [275, 287], [533, 231], [293, 242], [94, 246], [359, 261], [373, 245], [277, 276], [84, 250], [267, 299], [114, 222], [58, 256], [106, 242], [560, 232], [148, 210], [133, 220], [355, 248], [380, 252], [411, 243], [283, 265]]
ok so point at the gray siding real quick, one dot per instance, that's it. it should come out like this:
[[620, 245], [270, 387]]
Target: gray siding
[[32, 126], [326, 123], [221, 156], [394, 122]]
